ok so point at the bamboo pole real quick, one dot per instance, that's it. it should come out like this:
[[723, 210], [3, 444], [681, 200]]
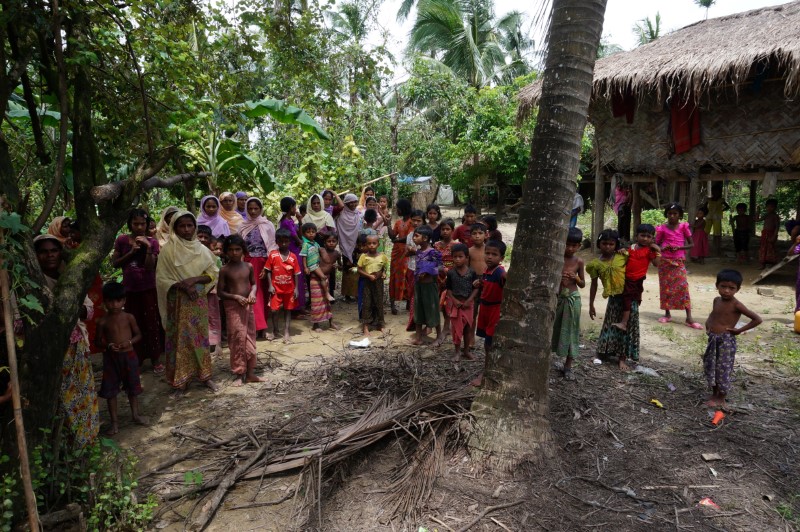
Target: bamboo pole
[[25, 470], [368, 183]]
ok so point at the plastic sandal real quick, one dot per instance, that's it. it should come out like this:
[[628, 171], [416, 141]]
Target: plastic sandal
[[158, 370], [694, 325], [664, 319]]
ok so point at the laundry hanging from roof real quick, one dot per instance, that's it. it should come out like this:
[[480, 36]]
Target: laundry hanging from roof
[[684, 124]]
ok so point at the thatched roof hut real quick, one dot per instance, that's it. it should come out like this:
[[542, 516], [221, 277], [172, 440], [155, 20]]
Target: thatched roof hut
[[716, 100]]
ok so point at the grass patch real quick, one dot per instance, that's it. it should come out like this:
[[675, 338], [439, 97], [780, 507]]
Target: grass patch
[[788, 354], [667, 332]]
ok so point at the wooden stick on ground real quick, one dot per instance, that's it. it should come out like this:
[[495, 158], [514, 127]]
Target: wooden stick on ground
[[25, 470], [487, 511], [209, 508]]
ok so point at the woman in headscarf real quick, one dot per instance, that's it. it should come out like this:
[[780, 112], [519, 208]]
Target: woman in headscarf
[[259, 239], [162, 231], [78, 395], [229, 212], [241, 203], [209, 216], [185, 273], [348, 224], [317, 215], [59, 228], [327, 201], [290, 220]]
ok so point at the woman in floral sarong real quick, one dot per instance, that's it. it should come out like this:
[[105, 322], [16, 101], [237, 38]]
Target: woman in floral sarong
[[185, 273], [609, 268], [78, 395]]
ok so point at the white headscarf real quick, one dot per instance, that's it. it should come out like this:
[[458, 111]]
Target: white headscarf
[[348, 224], [320, 218]]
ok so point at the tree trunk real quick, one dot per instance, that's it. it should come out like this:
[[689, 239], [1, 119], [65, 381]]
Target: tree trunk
[[395, 150], [511, 426]]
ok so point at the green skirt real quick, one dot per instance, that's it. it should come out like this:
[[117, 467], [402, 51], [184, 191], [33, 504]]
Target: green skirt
[[567, 327]]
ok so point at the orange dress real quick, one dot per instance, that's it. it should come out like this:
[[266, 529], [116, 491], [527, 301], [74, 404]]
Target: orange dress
[[399, 266]]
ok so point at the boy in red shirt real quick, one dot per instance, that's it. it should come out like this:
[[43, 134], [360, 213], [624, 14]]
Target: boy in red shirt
[[282, 271], [640, 256], [463, 232]]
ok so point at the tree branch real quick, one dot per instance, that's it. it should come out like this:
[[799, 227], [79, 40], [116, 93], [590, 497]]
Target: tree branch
[[63, 124], [36, 125], [111, 191]]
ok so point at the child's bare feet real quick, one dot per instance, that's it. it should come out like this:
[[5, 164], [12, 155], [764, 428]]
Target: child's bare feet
[[237, 382], [331, 299], [178, 393], [140, 420], [468, 355], [621, 326], [286, 338], [332, 327], [477, 381], [255, 378], [456, 355], [415, 341], [622, 365], [213, 386], [114, 429]]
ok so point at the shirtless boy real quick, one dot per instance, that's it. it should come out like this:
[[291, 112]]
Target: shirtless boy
[[237, 290], [567, 328], [116, 333], [329, 259], [722, 331]]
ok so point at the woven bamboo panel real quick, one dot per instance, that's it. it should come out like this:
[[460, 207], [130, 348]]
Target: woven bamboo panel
[[738, 133]]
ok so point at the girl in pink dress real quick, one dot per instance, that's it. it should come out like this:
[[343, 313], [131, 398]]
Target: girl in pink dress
[[674, 237], [699, 237]]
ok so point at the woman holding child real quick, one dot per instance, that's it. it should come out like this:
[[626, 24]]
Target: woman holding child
[[78, 395], [259, 239], [137, 255], [185, 273]]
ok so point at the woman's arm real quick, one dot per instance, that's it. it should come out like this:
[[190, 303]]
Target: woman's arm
[[118, 260], [592, 295]]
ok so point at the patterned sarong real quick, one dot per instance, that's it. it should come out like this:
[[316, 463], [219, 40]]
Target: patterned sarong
[[241, 324], [718, 360]]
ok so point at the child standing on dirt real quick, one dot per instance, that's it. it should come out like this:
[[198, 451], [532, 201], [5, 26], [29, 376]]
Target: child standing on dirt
[[282, 271], [214, 319], [567, 326], [310, 256], [742, 229], [476, 251], [329, 259], [462, 289], [767, 254], [722, 330], [237, 290], [372, 269], [416, 220], [426, 291], [640, 256], [116, 333], [445, 247], [464, 231], [700, 237], [491, 286]]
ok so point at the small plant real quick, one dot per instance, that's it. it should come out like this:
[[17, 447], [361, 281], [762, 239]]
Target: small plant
[[788, 354], [787, 511], [667, 332], [8, 492], [193, 478]]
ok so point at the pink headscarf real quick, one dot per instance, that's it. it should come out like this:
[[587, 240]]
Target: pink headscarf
[[264, 226], [218, 224]]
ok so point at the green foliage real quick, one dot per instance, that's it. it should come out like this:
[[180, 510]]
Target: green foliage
[[788, 354], [100, 477], [8, 494], [12, 248], [193, 478]]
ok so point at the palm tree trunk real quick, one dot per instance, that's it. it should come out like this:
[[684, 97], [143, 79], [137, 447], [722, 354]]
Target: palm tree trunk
[[511, 426]]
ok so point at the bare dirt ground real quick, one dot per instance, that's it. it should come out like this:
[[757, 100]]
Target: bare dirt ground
[[623, 462]]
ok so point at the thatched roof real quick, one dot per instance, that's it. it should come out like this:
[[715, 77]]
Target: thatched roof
[[697, 57]]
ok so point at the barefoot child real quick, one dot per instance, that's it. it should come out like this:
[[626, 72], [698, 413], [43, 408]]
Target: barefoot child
[[742, 229], [461, 292], [214, 320], [426, 291], [476, 251], [464, 231], [330, 259], [491, 296], [282, 272], [237, 290], [609, 268], [116, 333], [310, 255], [445, 247], [416, 220], [567, 327], [767, 254], [372, 268], [721, 329], [640, 256]]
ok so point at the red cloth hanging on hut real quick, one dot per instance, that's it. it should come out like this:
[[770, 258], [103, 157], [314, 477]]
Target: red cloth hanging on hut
[[684, 118], [623, 104]]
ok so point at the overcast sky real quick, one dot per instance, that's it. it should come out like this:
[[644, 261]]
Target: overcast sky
[[621, 15]]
